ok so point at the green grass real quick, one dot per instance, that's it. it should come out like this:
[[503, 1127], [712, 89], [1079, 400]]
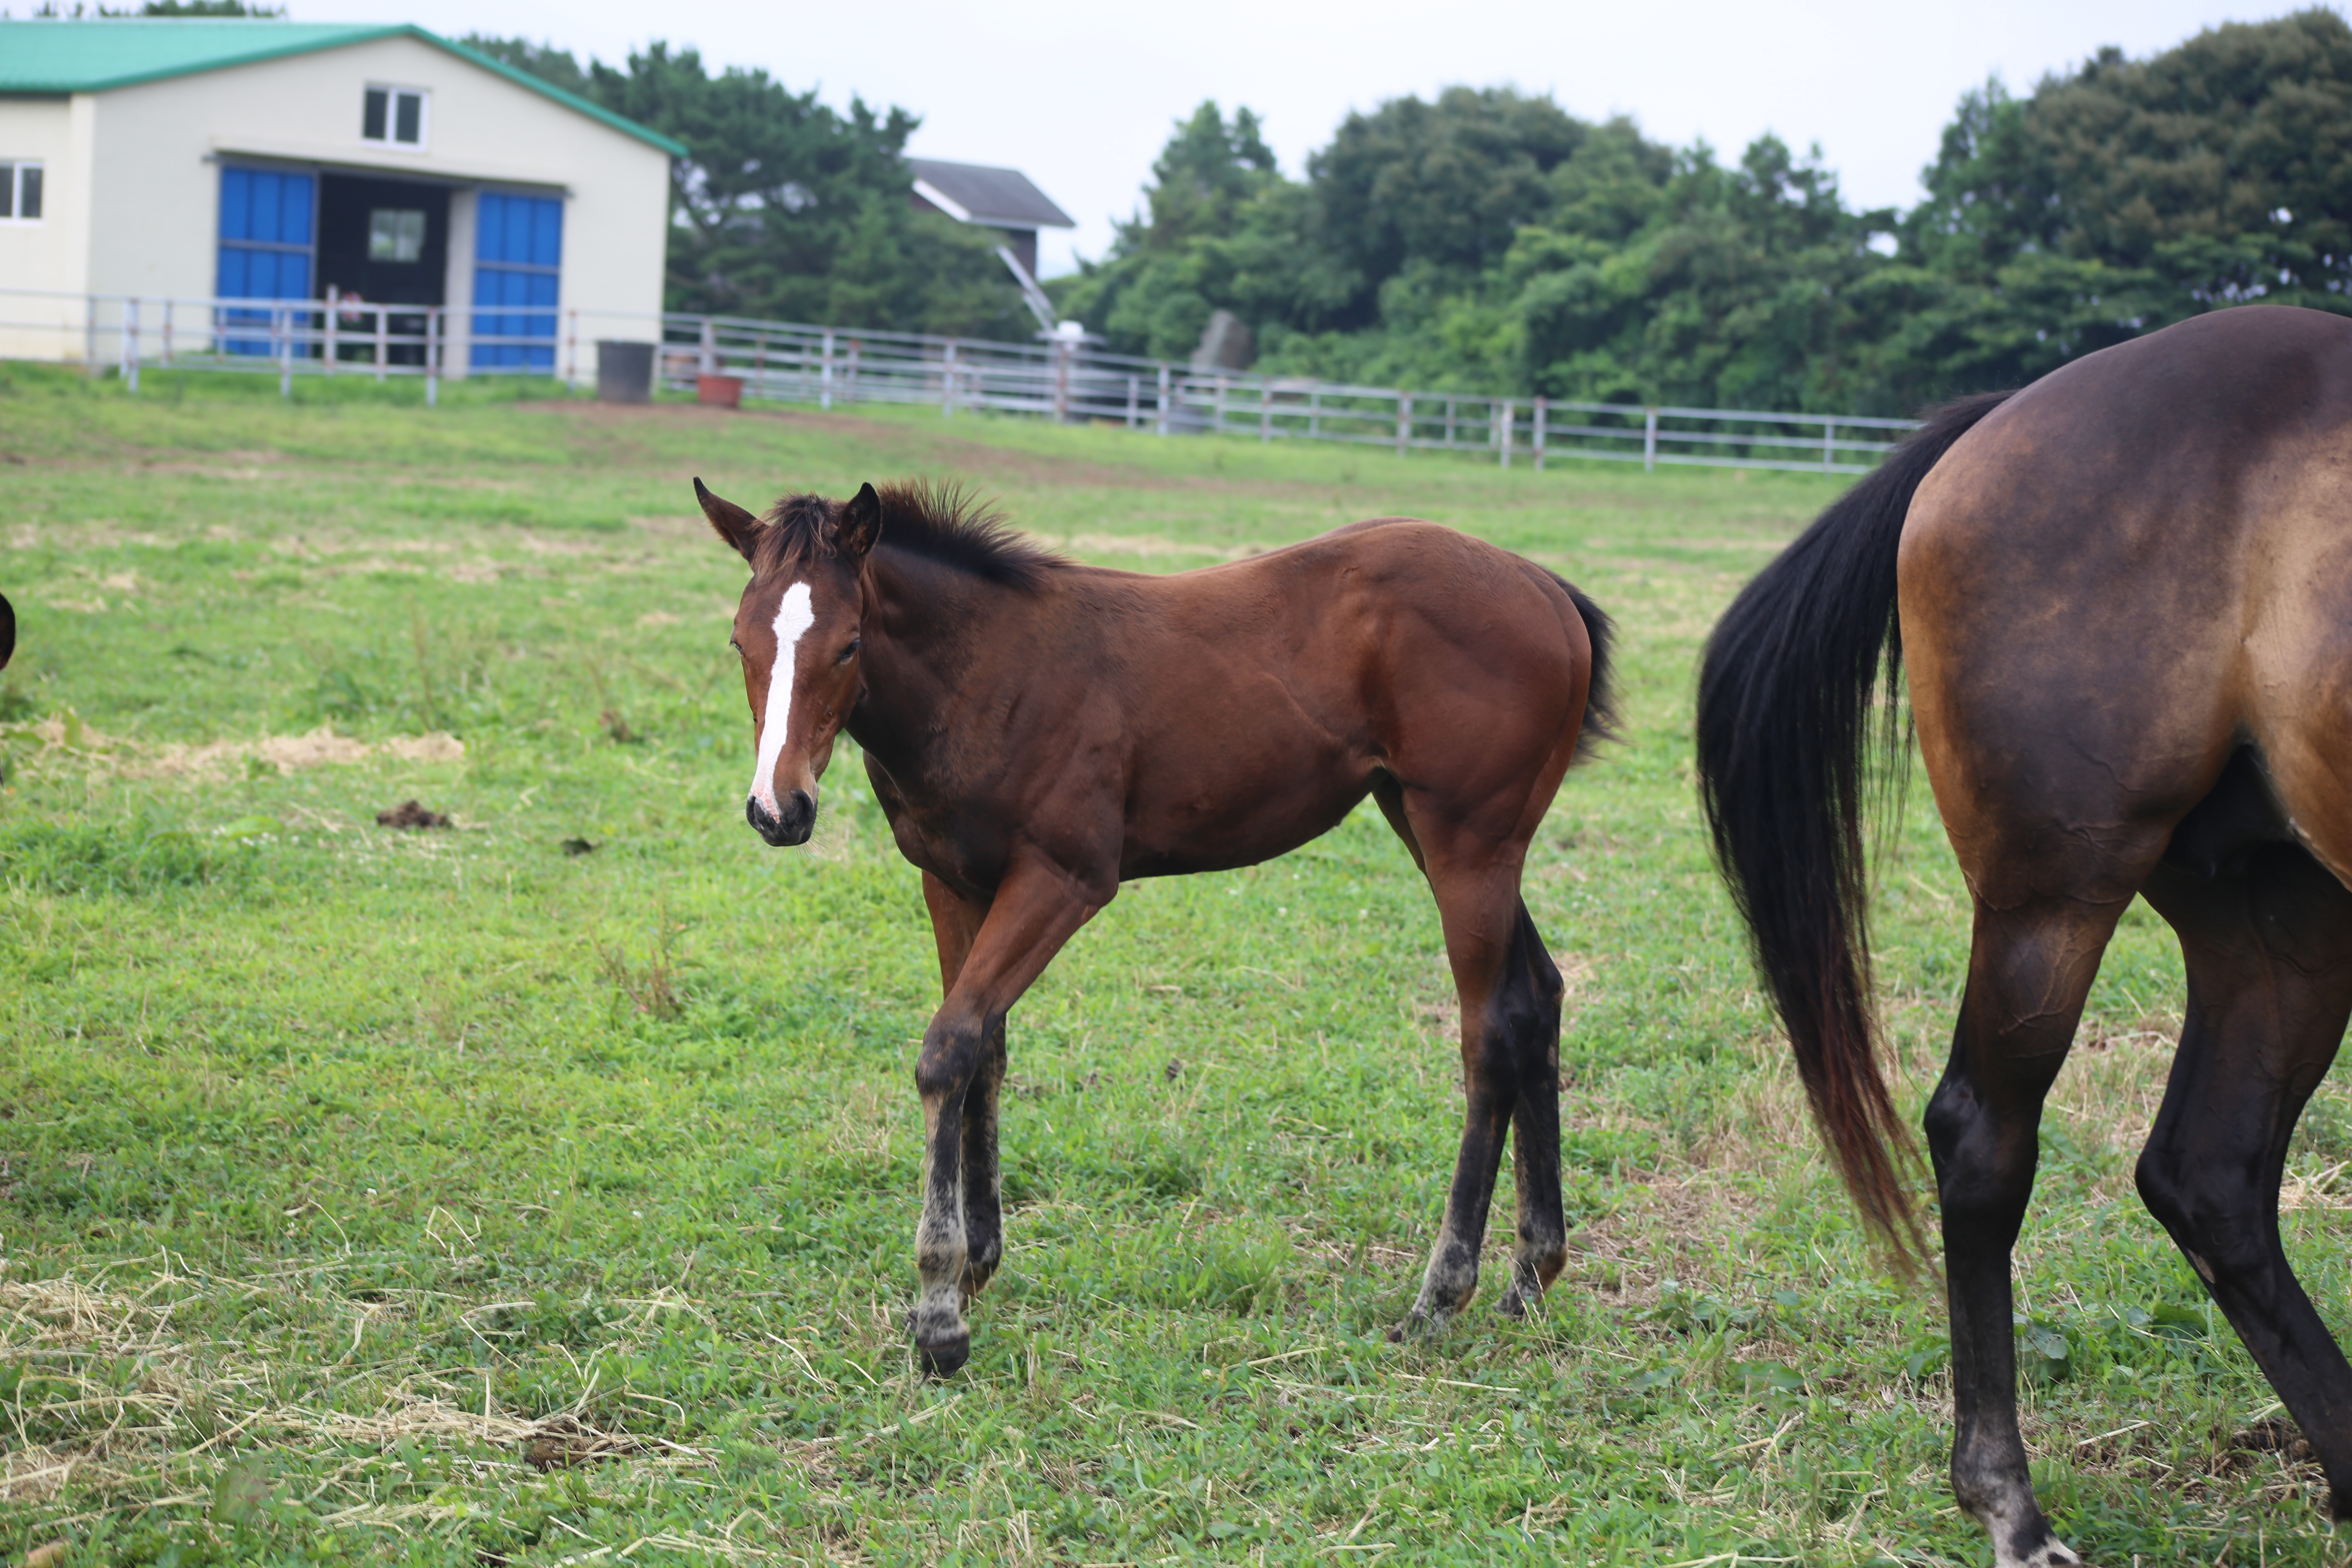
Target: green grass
[[448, 1197]]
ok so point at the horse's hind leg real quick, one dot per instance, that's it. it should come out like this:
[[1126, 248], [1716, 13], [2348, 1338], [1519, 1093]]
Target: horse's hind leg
[[1509, 995], [2030, 968], [1535, 1120], [2269, 953]]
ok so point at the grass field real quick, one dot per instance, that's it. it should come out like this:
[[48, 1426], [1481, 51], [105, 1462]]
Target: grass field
[[541, 1190]]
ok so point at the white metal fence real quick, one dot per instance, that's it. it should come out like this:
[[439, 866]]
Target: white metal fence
[[1059, 378], [793, 363]]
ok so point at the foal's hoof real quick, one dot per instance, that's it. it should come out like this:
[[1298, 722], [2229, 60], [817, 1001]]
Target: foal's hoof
[[943, 1357], [1419, 1325], [1514, 1304]]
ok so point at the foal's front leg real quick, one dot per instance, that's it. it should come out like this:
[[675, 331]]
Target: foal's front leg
[[1036, 909], [955, 924]]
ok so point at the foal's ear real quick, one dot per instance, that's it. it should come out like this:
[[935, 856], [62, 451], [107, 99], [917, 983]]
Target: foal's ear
[[732, 522], [860, 524]]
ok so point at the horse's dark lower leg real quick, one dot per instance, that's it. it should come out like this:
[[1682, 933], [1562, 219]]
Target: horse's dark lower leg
[[2029, 971], [983, 1222], [960, 1237], [1535, 1120], [1507, 1017], [952, 1050], [1452, 1278], [2269, 954]]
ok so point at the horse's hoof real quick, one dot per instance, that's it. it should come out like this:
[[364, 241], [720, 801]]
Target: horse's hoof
[[1513, 1304], [943, 1358], [1419, 1325]]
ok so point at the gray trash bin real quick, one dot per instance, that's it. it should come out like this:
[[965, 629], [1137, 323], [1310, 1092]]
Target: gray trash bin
[[625, 371]]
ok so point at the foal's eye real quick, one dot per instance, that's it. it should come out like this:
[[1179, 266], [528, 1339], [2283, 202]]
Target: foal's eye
[[849, 653], [736, 645]]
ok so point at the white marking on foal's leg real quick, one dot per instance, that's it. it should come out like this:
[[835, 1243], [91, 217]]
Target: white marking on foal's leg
[[794, 617]]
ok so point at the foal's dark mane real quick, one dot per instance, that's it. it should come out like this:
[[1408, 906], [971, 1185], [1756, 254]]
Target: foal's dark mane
[[942, 522]]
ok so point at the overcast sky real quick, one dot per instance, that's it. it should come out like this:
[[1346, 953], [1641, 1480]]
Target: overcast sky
[[1082, 97]]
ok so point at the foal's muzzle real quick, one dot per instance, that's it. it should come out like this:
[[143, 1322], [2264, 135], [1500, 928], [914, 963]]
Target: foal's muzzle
[[792, 826]]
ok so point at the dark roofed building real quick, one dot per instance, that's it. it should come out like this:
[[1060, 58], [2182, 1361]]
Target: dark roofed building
[[1000, 199]]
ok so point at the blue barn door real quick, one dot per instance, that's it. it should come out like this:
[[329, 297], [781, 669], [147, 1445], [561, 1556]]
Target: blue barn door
[[518, 267], [267, 241]]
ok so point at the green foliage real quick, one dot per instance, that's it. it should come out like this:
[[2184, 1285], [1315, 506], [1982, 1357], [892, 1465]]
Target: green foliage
[[786, 209], [1489, 240]]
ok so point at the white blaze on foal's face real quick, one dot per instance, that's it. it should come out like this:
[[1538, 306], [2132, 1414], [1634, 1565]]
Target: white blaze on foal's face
[[794, 619]]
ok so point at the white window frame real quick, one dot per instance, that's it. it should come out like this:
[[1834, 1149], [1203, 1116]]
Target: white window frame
[[392, 91], [16, 192]]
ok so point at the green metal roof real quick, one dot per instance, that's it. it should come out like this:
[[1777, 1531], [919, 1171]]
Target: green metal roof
[[46, 56]]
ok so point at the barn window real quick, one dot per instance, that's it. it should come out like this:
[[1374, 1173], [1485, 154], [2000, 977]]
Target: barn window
[[393, 115], [20, 192], [395, 234]]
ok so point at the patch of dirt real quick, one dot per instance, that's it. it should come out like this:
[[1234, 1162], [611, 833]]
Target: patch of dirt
[[412, 814], [320, 747]]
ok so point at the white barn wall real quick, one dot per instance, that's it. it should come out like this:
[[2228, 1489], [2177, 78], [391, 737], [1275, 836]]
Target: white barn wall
[[53, 254], [159, 146]]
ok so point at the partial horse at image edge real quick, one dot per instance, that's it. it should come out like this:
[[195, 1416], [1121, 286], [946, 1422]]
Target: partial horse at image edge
[[2118, 596]]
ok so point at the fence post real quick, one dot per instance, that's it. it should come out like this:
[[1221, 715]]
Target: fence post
[[947, 382], [130, 345], [1264, 409], [1449, 424], [824, 373], [1829, 444], [1220, 405], [709, 362], [571, 352], [90, 336], [335, 320], [1163, 398], [1510, 417], [1134, 401], [383, 342], [432, 358], [1649, 439], [1404, 423], [167, 334], [283, 320], [1315, 412], [1062, 380], [1539, 432]]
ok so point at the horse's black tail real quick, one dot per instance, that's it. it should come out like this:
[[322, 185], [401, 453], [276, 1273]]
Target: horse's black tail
[[1785, 726]]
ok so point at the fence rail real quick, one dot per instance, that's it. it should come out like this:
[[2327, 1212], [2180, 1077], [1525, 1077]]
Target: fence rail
[[1060, 378]]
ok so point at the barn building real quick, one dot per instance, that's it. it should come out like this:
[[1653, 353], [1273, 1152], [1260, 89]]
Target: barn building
[[193, 158]]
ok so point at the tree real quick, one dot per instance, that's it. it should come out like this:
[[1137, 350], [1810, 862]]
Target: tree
[[2128, 194], [783, 208]]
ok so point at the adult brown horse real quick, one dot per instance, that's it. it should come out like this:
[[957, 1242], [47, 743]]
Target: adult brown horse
[[2124, 596], [1038, 732]]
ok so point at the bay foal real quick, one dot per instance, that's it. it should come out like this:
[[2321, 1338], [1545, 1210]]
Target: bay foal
[[1038, 732]]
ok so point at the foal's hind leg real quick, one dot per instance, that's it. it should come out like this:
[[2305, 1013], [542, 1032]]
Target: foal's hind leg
[[1535, 1124], [2269, 952], [2030, 968], [1509, 993]]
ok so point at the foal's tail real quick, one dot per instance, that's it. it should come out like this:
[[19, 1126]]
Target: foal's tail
[[1785, 729], [1600, 692]]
